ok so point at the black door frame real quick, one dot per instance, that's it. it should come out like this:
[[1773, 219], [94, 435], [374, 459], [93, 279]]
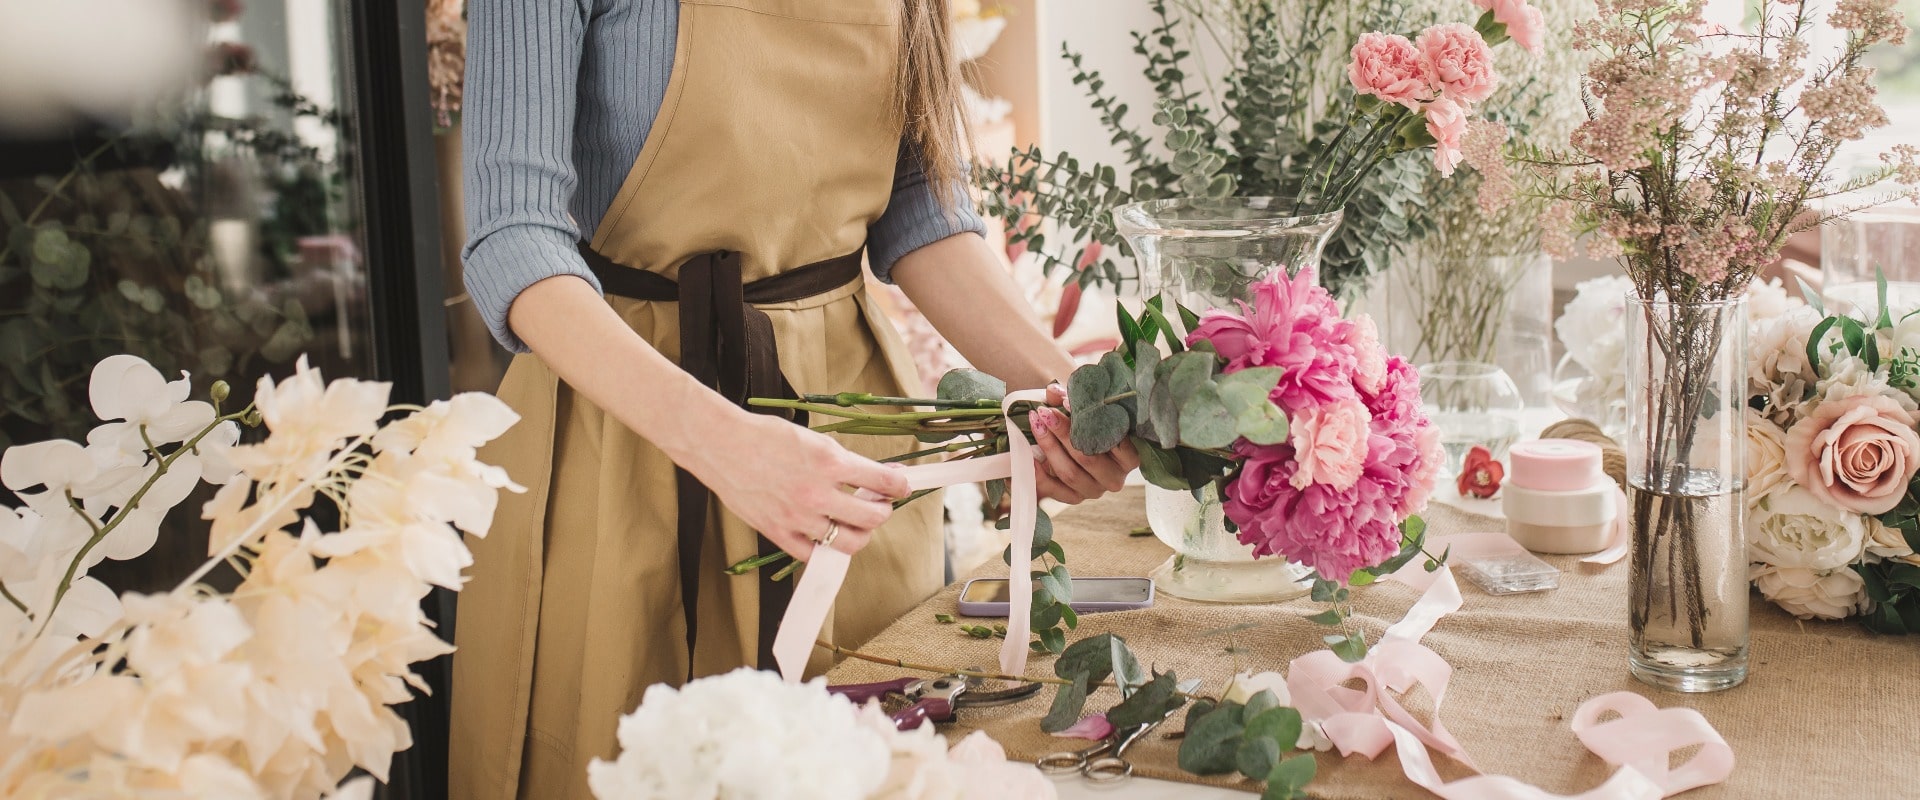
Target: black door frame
[[387, 44]]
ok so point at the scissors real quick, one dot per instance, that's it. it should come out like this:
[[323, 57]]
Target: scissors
[[1105, 761], [918, 701]]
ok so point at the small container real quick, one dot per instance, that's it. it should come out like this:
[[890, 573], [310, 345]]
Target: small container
[[1557, 499]]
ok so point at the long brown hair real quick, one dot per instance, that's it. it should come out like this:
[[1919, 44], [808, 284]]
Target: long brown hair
[[929, 89]]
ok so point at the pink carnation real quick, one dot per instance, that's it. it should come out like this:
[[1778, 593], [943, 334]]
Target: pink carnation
[[1293, 324], [1331, 443], [1370, 359], [1446, 121], [1524, 22], [1387, 66], [1458, 62]]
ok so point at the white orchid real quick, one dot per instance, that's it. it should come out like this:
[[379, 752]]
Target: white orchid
[[281, 688]]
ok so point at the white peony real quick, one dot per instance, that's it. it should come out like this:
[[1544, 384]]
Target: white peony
[[1593, 326], [1766, 458], [1769, 299], [1792, 528], [1777, 366], [1813, 594], [748, 735]]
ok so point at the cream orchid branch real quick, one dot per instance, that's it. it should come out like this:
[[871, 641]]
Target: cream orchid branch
[[282, 498], [8, 595], [163, 463]]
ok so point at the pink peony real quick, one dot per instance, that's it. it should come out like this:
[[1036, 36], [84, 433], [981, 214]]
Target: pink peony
[[1332, 531], [1388, 67], [1293, 324], [1524, 22], [1370, 359], [1446, 121], [1857, 453], [1458, 62], [1331, 442]]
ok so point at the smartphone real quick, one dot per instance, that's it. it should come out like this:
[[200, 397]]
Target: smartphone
[[987, 597]]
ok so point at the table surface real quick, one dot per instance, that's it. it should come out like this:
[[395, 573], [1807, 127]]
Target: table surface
[[1827, 712]]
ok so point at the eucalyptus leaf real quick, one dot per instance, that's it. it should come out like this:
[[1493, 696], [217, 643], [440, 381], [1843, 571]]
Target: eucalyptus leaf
[[1205, 421], [1289, 779], [1257, 755], [1259, 703], [1092, 657], [1161, 467], [1149, 703], [1278, 723], [1212, 743], [1068, 703], [970, 384]]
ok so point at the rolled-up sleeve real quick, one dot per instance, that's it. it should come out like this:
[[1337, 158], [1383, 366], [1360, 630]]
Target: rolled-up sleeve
[[915, 217], [523, 64]]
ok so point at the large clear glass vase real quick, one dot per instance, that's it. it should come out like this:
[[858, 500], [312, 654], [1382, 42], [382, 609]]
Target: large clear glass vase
[[1686, 473], [1208, 254], [1489, 309]]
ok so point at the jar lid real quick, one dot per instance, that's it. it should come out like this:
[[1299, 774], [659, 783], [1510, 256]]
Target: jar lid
[[1555, 465]]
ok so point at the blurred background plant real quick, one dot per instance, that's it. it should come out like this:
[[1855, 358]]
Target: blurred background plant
[[1251, 129]]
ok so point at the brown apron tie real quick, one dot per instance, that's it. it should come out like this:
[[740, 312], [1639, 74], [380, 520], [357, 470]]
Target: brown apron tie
[[726, 344]]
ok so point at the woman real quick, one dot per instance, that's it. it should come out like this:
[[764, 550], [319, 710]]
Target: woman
[[718, 153]]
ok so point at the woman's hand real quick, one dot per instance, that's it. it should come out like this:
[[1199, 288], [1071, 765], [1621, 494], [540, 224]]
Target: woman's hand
[[1066, 474], [791, 484]]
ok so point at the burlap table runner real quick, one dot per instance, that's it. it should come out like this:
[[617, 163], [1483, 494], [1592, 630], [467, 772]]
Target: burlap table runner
[[1829, 711]]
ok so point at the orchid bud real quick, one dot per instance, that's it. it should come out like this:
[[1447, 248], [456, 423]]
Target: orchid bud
[[219, 392]]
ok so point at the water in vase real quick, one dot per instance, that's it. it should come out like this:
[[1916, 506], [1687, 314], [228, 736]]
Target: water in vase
[[1687, 593]]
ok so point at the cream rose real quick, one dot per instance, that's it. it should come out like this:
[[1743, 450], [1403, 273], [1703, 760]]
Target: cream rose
[[1766, 458], [1886, 542], [1857, 453], [1813, 594], [1794, 528]]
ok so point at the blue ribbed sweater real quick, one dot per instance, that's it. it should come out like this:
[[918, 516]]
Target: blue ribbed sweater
[[558, 100]]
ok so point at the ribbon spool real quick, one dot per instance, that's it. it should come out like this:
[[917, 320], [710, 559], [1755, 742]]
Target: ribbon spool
[[1613, 460]]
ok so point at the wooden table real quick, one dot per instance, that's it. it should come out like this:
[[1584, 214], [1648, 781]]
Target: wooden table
[[1830, 711]]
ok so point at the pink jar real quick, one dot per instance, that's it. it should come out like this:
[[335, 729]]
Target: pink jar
[[1557, 499]]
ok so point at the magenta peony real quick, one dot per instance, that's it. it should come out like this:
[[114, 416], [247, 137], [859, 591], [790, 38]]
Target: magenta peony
[[1293, 324], [1458, 62], [1387, 66], [1362, 455]]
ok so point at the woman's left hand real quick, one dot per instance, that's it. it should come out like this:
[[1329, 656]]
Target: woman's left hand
[[1066, 474]]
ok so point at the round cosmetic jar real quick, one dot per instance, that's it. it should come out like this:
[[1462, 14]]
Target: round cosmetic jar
[[1557, 499]]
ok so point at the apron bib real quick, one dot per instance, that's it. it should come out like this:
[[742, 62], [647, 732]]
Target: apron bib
[[773, 152]]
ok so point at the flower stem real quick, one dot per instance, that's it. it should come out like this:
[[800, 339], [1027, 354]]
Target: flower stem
[[745, 566], [847, 413], [15, 601], [939, 670], [860, 399]]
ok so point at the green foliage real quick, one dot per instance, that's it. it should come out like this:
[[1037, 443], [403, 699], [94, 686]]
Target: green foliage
[[1251, 739], [1288, 124]]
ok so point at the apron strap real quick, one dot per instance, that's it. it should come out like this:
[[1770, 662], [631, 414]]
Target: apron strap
[[726, 344]]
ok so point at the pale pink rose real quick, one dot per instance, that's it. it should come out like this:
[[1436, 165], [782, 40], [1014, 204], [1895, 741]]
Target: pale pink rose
[[1524, 22], [1331, 443], [1857, 453], [1447, 123], [1458, 62], [1387, 66]]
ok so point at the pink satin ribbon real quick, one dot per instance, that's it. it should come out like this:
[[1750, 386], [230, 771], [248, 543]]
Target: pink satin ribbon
[[827, 567], [1366, 720]]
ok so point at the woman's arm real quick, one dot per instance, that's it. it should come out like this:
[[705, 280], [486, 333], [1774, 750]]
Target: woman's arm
[[782, 479], [964, 290]]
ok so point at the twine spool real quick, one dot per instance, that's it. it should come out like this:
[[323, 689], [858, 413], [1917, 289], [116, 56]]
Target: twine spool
[[1613, 460]]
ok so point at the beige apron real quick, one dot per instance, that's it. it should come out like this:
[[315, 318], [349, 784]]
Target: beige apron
[[774, 143]]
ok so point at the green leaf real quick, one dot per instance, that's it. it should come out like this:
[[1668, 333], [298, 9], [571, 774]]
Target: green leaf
[[1350, 648], [1279, 723], [1092, 657], [1261, 702], [1187, 317], [1130, 332], [1160, 467], [1257, 755], [1205, 421], [1059, 553], [1289, 779], [1880, 285], [1168, 333], [1053, 640], [1095, 426], [1069, 616], [1361, 577], [1127, 673], [1120, 381], [1149, 703], [1331, 616], [971, 384], [1323, 590], [1191, 370], [1046, 615], [944, 619], [1212, 743], [1813, 340], [1058, 582], [1812, 297], [1068, 703]]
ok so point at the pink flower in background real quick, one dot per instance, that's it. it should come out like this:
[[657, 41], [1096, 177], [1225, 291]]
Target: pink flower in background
[[1458, 62], [1857, 453], [1524, 22], [1330, 442], [1293, 324], [1446, 122], [1370, 359], [1388, 67]]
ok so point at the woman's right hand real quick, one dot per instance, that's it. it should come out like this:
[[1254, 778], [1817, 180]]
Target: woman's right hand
[[792, 484]]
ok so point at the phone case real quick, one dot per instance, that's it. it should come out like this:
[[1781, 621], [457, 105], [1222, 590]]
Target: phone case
[[993, 609]]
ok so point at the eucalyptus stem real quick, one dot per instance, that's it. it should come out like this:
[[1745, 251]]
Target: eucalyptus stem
[[862, 399], [748, 565], [969, 673], [868, 416], [956, 447]]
